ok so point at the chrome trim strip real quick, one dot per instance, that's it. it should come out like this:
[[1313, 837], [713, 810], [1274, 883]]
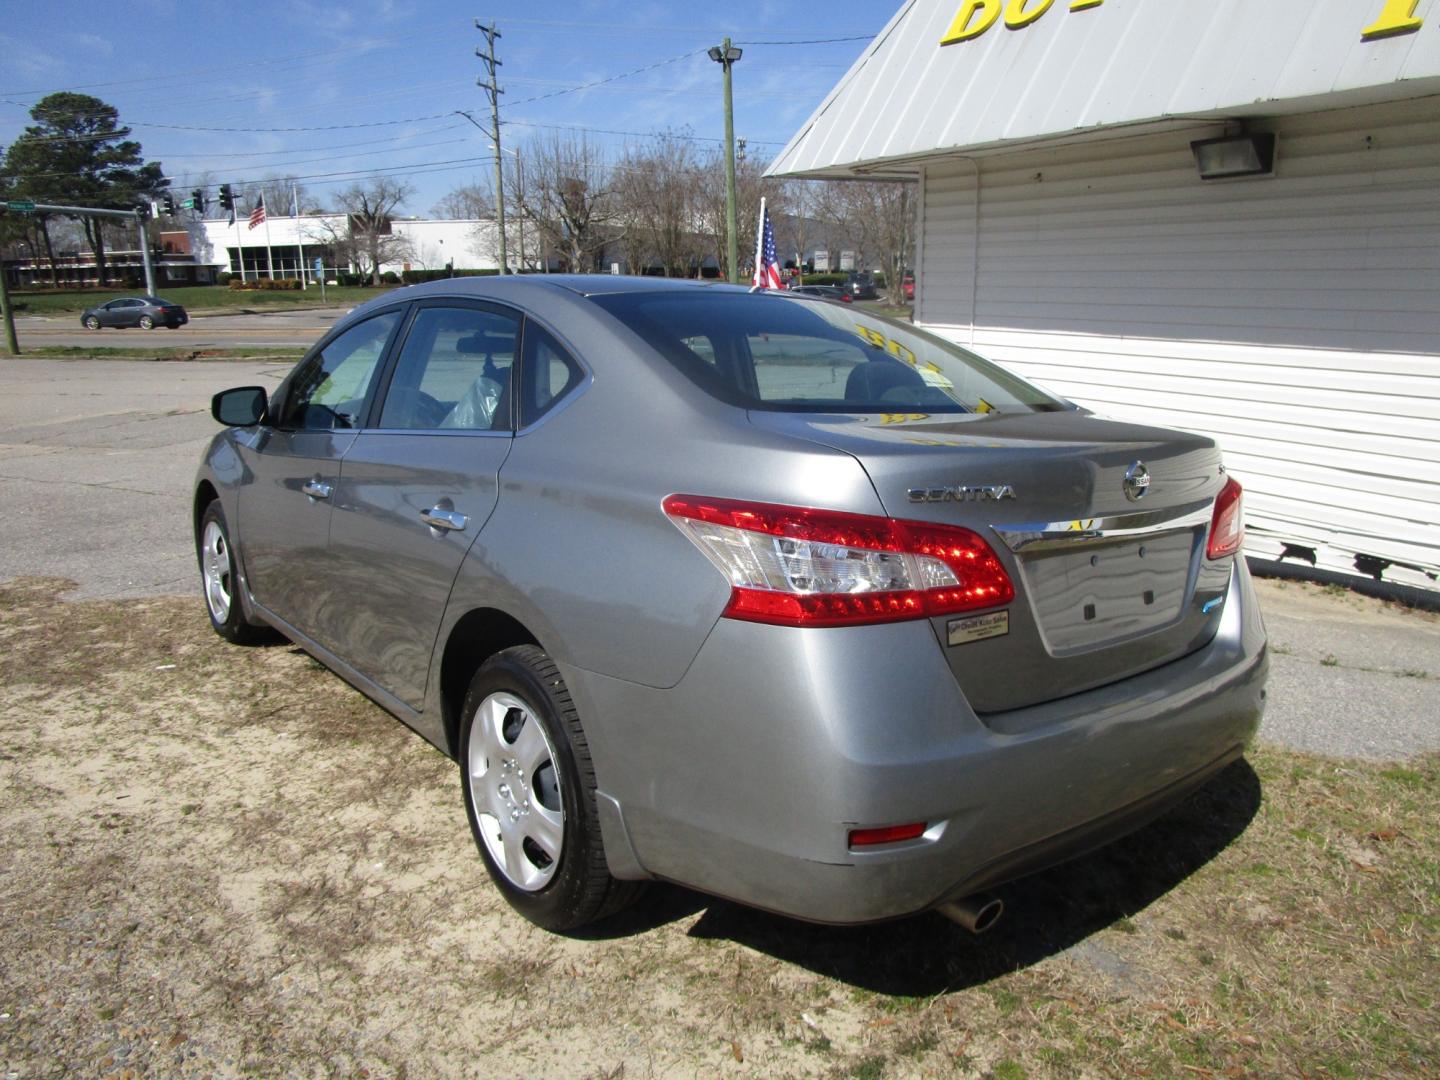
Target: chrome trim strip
[[1085, 531]]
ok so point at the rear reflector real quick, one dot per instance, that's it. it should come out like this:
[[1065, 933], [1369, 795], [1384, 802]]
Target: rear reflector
[[890, 834], [1227, 524], [796, 566]]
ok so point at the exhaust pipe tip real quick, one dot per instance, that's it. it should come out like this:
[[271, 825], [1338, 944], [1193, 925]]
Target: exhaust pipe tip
[[975, 913]]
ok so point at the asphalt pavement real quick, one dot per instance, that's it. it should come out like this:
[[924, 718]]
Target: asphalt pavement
[[97, 458]]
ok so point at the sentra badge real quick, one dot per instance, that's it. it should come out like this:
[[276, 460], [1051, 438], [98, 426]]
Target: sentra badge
[[962, 493]]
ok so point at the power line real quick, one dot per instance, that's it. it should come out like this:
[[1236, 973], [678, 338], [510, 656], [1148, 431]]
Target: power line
[[610, 79], [811, 41], [580, 128]]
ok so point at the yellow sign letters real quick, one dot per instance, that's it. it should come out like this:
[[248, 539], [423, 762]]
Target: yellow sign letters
[[977, 16]]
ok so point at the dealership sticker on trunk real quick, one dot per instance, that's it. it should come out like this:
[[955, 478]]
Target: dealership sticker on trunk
[[978, 627]]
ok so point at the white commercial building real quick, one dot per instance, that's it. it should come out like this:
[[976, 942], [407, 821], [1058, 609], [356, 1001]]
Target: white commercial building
[[1287, 304], [288, 246]]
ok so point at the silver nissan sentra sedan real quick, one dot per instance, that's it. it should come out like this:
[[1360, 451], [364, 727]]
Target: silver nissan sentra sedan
[[767, 596]]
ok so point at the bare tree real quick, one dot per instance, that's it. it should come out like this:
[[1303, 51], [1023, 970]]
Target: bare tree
[[569, 199], [466, 202], [751, 185], [659, 192], [369, 239], [476, 202], [880, 217]]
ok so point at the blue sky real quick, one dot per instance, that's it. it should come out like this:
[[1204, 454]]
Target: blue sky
[[182, 72]]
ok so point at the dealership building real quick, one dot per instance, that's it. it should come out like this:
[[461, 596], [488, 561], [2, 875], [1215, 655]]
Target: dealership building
[[288, 246], [1220, 216]]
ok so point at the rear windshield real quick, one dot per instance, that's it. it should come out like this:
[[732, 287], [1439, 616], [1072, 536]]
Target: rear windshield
[[786, 354]]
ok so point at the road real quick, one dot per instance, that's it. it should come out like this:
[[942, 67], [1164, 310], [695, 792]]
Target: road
[[279, 329], [97, 458]]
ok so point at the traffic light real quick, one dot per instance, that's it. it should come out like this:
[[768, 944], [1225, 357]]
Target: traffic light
[[167, 201], [227, 200], [197, 200]]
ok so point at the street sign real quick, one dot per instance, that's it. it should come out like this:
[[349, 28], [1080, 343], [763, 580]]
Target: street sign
[[22, 206], [320, 266], [188, 204]]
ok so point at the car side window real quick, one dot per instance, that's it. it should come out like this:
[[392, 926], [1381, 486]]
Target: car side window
[[454, 372], [549, 372], [327, 392]]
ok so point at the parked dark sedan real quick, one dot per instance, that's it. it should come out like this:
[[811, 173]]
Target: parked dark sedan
[[862, 286], [146, 312], [776, 599]]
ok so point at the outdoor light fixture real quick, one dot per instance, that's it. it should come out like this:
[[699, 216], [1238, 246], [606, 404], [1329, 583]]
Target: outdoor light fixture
[[727, 55], [1250, 153]]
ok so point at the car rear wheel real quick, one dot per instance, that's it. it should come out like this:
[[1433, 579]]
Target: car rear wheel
[[147, 323], [220, 581], [529, 788], [92, 323]]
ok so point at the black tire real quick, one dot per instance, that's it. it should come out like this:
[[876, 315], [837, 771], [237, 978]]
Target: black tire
[[218, 559], [147, 323], [92, 323], [579, 889]]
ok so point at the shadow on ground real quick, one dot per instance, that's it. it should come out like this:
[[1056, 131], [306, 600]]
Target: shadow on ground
[[1045, 913]]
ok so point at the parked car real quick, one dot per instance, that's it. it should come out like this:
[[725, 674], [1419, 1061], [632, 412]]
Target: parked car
[[861, 285], [779, 600], [146, 312], [825, 292], [907, 285]]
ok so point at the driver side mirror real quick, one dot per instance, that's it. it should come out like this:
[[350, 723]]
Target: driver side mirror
[[242, 407]]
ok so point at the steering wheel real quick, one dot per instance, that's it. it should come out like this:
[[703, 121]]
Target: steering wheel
[[413, 409]]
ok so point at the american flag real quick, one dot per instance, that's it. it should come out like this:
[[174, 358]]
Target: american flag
[[257, 216], [767, 267]]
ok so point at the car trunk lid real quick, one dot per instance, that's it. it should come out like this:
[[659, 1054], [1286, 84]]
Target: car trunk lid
[[1107, 585]]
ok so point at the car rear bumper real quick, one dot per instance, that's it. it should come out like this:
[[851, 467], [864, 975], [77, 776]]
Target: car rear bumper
[[744, 779]]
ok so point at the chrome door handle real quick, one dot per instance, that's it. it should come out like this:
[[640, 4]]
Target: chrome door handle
[[316, 489], [444, 519]]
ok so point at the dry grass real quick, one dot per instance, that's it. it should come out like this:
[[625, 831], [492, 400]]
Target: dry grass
[[223, 861]]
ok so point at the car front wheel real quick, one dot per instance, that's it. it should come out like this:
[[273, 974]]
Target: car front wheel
[[92, 323], [219, 579], [529, 788], [147, 323]]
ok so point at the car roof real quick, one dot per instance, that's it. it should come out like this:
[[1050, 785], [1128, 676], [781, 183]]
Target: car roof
[[535, 288]]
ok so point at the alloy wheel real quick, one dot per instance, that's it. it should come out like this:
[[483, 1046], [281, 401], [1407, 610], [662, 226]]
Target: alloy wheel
[[515, 788], [215, 565]]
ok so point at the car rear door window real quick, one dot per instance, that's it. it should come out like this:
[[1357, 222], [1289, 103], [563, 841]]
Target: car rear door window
[[453, 372], [550, 373], [327, 392]]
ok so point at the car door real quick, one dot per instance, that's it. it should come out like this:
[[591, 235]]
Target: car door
[[115, 313], [291, 467], [417, 486]]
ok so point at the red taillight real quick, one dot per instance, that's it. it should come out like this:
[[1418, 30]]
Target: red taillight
[[796, 566], [890, 834], [1227, 524]]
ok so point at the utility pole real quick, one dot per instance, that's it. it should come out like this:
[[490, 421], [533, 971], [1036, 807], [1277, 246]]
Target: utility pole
[[7, 314], [725, 55], [492, 87]]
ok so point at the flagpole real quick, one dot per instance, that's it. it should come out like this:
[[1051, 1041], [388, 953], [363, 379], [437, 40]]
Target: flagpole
[[756, 278], [239, 239], [299, 238], [269, 259]]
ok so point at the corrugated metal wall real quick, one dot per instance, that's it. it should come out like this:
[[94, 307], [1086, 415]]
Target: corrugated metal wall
[[1295, 318]]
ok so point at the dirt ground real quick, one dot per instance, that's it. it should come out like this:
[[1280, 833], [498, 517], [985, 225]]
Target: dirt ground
[[220, 861]]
